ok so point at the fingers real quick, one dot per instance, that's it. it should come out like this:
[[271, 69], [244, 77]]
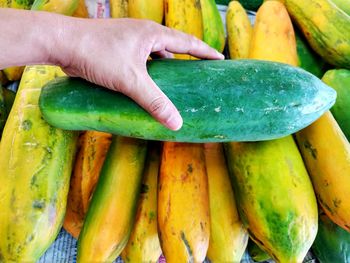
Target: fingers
[[146, 93], [178, 42]]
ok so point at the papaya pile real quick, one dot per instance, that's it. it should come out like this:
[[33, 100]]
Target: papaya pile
[[137, 199]]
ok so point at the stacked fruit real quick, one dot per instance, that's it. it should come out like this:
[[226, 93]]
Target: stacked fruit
[[138, 198]]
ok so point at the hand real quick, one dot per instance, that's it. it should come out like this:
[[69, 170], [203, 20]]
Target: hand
[[113, 53]]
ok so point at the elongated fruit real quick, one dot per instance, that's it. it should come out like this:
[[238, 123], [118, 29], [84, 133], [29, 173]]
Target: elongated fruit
[[274, 196], [232, 100], [332, 243], [339, 79], [272, 40], [183, 203], [93, 148], [35, 163], [186, 16], [330, 175], [326, 28], [239, 31], [147, 9], [110, 218], [228, 237], [143, 245], [213, 28]]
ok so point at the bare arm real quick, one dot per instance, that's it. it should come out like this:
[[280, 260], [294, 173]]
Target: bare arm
[[108, 52]]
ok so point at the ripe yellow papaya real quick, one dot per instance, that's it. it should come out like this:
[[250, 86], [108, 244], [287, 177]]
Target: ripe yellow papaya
[[183, 203], [326, 154], [186, 16], [239, 31], [147, 9], [228, 237]]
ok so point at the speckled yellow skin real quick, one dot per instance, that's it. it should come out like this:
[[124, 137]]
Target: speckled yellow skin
[[326, 28], [326, 153], [119, 8], [147, 9], [239, 31], [183, 203], [35, 163], [228, 237], [273, 35], [143, 245], [186, 16]]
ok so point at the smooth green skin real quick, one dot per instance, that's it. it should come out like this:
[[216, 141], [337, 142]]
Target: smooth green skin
[[332, 243], [213, 28], [339, 79], [109, 187], [227, 100], [308, 59], [247, 4], [3, 111], [343, 5], [256, 253]]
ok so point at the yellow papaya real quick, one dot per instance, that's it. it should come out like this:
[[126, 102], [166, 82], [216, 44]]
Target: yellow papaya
[[119, 8], [183, 203], [239, 31], [147, 9], [93, 148], [186, 16], [143, 245], [326, 154], [228, 237]]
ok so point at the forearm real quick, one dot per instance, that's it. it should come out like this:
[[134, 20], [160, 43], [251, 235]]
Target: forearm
[[28, 38]]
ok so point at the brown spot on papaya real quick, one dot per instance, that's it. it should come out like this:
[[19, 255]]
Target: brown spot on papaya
[[38, 204], [26, 125], [187, 246], [347, 227], [189, 168], [144, 188], [336, 202], [311, 149]]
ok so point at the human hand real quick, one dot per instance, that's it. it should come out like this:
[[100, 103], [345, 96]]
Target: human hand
[[113, 53]]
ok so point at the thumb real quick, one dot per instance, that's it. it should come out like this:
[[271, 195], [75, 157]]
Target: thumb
[[144, 91]]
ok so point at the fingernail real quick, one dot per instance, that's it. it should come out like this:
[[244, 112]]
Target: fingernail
[[221, 56], [174, 122]]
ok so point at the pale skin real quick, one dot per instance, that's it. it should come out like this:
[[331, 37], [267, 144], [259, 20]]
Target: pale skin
[[108, 52]]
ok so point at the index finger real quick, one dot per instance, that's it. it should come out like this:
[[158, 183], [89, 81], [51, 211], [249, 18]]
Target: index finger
[[176, 41]]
